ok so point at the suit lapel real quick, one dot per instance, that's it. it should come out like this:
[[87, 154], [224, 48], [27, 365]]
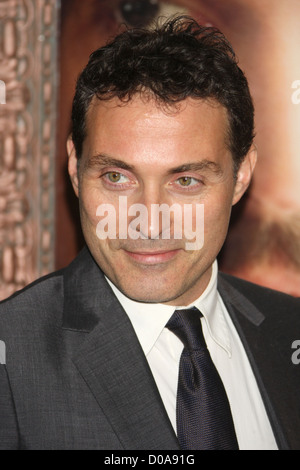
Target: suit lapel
[[112, 362], [251, 326]]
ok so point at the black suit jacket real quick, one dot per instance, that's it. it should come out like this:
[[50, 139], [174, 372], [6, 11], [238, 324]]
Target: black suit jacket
[[73, 374]]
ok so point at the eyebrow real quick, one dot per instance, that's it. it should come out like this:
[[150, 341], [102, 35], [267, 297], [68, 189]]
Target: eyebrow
[[102, 160], [203, 165]]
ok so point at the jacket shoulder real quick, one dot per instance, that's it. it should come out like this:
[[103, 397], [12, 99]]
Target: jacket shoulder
[[263, 298], [43, 295]]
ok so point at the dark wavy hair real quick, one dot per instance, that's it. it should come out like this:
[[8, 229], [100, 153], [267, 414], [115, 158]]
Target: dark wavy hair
[[173, 61]]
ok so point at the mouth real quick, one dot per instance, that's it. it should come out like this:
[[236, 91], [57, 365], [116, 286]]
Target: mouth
[[152, 257]]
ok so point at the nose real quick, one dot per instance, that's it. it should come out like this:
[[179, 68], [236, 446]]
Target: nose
[[147, 215]]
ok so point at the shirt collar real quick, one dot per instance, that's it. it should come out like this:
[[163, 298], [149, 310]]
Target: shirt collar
[[148, 320]]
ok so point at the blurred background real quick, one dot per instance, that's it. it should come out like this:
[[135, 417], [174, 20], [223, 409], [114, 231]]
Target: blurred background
[[44, 46]]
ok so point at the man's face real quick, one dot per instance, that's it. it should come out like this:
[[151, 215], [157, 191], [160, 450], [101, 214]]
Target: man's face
[[147, 156]]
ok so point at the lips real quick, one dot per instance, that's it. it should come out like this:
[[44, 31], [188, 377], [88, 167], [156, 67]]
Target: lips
[[152, 257]]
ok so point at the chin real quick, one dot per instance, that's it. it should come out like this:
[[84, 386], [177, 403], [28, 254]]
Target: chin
[[152, 298], [148, 296]]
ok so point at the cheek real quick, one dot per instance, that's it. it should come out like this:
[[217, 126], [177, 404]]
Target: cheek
[[88, 204], [217, 217], [88, 210]]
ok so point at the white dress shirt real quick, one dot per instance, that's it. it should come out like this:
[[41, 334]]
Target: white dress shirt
[[163, 350]]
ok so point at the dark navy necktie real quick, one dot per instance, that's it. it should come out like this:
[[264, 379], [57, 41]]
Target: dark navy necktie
[[203, 415]]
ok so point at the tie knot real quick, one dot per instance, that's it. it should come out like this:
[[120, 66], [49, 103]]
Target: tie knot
[[186, 325]]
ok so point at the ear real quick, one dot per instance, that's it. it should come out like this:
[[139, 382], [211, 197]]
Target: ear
[[73, 165], [244, 174]]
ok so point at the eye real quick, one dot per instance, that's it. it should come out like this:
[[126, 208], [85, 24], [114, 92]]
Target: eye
[[187, 181], [141, 13], [116, 177]]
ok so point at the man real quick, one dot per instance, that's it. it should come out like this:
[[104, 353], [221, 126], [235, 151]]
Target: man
[[90, 355], [263, 242]]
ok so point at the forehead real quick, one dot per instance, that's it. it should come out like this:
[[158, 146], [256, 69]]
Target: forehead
[[144, 127]]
